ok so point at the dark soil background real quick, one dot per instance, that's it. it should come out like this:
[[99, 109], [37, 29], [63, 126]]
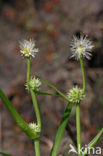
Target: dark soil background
[[52, 24]]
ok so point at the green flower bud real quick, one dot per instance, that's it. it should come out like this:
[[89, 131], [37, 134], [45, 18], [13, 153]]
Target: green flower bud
[[75, 95], [34, 84]]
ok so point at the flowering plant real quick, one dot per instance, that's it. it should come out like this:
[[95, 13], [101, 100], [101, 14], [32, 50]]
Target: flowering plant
[[80, 47]]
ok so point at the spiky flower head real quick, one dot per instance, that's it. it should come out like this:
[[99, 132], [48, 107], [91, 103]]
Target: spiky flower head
[[35, 127], [27, 48], [34, 84], [81, 46], [75, 95]]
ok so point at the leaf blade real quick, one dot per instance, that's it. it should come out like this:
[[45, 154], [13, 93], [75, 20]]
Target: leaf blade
[[61, 129], [5, 154], [19, 120]]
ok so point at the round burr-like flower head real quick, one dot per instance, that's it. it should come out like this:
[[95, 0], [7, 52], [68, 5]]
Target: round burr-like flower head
[[75, 95], [34, 83], [35, 127], [81, 46], [27, 48]]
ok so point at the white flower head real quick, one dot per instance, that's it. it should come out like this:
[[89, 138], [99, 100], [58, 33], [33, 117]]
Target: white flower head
[[81, 46], [34, 84], [75, 95], [27, 48], [35, 127]]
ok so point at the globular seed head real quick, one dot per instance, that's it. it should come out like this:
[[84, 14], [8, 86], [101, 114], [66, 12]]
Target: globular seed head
[[34, 84], [36, 128], [75, 95]]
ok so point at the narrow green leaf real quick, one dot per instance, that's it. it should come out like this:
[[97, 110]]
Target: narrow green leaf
[[4, 154], [19, 120], [97, 137], [53, 87], [61, 129], [94, 142]]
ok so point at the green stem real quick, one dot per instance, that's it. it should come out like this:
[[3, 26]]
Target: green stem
[[46, 93], [94, 141], [83, 73], [53, 87], [78, 127], [37, 147], [36, 108], [61, 129], [28, 71]]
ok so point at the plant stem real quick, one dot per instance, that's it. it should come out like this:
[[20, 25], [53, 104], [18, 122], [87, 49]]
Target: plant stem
[[37, 147], [28, 70], [78, 127], [94, 141], [83, 74], [36, 108], [53, 87], [46, 93]]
